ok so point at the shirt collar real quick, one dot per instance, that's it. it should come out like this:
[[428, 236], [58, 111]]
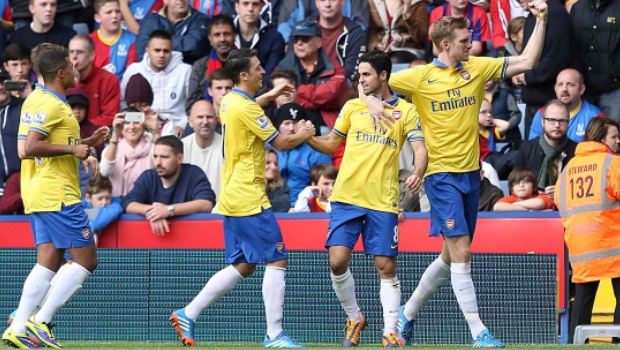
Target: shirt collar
[[241, 92], [393, 101], [440, 64], [50, 91]]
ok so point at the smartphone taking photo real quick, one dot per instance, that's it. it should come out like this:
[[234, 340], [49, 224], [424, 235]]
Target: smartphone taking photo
[[14, 85], [134, 117]]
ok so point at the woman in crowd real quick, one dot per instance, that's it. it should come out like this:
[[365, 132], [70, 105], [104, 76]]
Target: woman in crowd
[[128, 153]]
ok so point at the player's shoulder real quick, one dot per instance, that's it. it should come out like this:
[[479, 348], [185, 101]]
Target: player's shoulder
[[482, 62], [354, 104], [403, 104]]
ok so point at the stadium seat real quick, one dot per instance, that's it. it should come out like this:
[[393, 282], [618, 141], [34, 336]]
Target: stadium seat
[[582, 333], [81, 28], [504, 186]]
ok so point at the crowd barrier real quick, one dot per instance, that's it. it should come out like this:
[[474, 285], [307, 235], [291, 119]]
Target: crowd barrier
[[519, 271]]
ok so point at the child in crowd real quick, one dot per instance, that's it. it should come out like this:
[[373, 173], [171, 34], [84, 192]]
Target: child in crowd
[[315, 198], [101, 207], [115, 46], [491, 130], [523, 185], [278, 192]]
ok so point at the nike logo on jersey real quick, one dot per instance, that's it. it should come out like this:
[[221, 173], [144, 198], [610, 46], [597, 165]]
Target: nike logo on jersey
[[394, 246], [430, 81]]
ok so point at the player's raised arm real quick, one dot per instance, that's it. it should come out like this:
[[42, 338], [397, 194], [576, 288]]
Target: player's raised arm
[[531, 54], [326, 144]]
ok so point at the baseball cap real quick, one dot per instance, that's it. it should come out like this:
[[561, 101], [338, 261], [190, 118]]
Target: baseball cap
[[307, 29]]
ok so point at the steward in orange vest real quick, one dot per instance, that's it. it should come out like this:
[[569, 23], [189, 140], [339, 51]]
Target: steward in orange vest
[[588, 196]]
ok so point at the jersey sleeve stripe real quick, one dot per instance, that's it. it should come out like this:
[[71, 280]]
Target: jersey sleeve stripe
[[40, 131], [339, 133], [22, 137], [504, 66], [273, 136]]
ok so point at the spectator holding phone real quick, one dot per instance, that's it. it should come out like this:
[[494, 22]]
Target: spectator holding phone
[[17, 63], [127, 155]]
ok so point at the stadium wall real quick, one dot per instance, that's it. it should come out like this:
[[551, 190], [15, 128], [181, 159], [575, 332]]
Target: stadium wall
[[519, 272]]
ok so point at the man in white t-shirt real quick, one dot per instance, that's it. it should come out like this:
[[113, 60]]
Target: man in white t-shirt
[[204, 147]]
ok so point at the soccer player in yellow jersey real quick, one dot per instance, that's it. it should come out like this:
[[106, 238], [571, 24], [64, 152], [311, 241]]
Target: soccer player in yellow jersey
[[365, 196], [448, 93], [54, 200], [251, 232]]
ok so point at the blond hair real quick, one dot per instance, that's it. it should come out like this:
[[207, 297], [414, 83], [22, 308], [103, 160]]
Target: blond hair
[[445, 28]]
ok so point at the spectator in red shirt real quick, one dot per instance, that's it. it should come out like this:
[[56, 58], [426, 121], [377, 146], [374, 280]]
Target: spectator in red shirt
[[103, 88]]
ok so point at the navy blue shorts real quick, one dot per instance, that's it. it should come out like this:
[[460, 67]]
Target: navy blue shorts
[[454, 202], [253, 239], [66, 228], [379, 229]]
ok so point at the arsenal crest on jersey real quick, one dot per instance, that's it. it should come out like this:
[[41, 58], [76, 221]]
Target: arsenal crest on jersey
[[396, 115], [465, 75]]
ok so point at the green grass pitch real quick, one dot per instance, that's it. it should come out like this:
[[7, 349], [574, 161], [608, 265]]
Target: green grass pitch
[[255, 346]]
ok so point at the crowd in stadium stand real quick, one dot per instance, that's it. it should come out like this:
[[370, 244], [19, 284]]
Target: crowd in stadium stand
[[165, 62]]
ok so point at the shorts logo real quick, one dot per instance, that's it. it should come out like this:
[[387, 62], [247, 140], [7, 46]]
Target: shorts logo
[[329, 233], [263, 122], [465, 75], [86, 233], [396, 115], [450, 224], [280, 247]]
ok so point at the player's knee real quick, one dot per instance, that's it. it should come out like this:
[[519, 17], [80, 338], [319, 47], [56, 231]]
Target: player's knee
[[245, 270], [461, 255], [386, 267], [338, 266], [91, 264]]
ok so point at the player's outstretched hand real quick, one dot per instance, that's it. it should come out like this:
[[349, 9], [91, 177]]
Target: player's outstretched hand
[[81, 151], [306, 128], [376, 109], [93, 163], [413, 184], [539, 9], [283, 89]]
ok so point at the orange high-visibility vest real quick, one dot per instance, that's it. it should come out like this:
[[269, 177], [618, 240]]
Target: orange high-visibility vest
[[587, 194]]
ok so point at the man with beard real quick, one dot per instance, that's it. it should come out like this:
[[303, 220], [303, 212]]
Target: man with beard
[[548, 154], [221, 36], [569, 87], [203, 148], [172, 188]]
